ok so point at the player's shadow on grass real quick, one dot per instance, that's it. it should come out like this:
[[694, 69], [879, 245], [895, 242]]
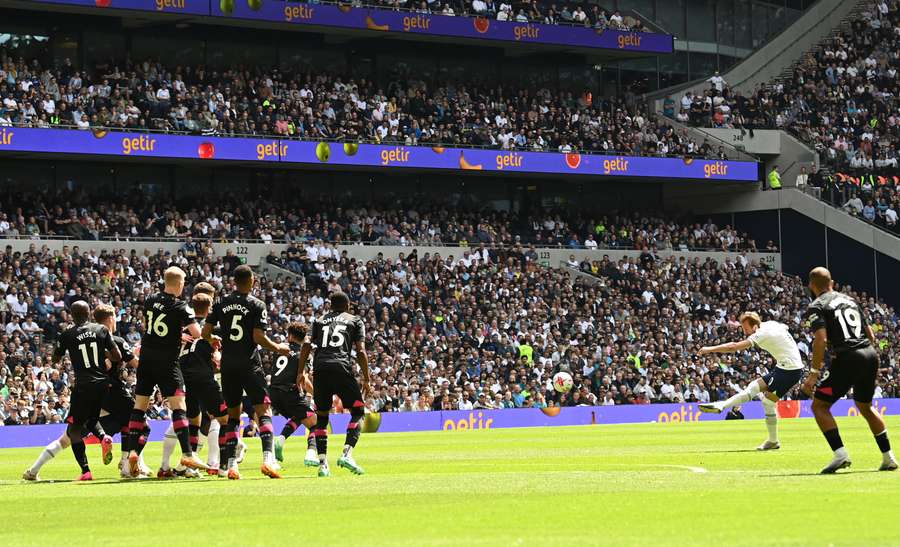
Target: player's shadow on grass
[[177, 481], [817, 474]]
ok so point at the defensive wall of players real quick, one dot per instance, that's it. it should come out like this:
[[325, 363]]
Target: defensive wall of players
[[256, 253], [464, 420]]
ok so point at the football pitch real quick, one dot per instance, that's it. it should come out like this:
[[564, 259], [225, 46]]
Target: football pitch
[[674, 484]]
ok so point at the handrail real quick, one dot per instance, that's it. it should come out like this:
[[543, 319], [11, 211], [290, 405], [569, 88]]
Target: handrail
[[359, 243], [336, 140]]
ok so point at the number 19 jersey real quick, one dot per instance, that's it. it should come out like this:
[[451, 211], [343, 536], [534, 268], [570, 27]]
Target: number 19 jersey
[[842, 319], [237, 315], [334, 335]]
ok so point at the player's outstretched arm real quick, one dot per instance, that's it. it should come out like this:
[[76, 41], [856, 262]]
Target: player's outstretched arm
[[730, 347], [820, 342], [260, 338]]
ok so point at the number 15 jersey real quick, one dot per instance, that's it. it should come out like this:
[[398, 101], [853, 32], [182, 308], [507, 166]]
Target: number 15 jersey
[[334, 336], [842, 319], [237, 315]]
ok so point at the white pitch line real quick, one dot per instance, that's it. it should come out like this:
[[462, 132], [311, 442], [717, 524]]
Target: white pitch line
[[690, 468]]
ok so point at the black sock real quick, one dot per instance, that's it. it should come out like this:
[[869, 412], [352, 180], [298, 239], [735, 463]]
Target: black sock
[[136, 427], [180, 424], [289, 427], [266, 432], [194, 431], [142, 439], [98, 430], [204, 424], [80, 455], [321, 436], [884, 444], [353, 431], [834, 439], [126, 440], [231, 440]]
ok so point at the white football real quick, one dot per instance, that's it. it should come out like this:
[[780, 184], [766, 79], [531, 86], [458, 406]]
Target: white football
[[562, 382]]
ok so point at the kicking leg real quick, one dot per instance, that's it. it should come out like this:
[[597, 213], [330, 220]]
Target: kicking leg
[[876, 425], [822, 411], [744, 396]]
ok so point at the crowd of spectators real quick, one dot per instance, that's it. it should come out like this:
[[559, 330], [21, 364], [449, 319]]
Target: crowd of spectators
[[244, 216], [841, 99], [145, 95], [580, 14], [485, 328]]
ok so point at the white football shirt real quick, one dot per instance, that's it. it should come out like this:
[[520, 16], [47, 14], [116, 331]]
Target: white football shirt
[[775, 338]]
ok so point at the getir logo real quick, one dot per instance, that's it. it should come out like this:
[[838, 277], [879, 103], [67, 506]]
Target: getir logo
[[471, 423], [6, 137], [138, 144], [629, 40], [876, 406], [273, 150], [618, 165], [169, 4], [526, 31], [676, 417], [292, 13], [717, 169], [416, 22], [509, 160], [397, 155]]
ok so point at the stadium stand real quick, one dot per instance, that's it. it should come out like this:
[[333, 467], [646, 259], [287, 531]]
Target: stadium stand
[[144, 95], [446, 331], [841, 101]]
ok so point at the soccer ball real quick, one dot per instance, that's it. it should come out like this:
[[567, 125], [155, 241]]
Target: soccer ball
[[562, 382]]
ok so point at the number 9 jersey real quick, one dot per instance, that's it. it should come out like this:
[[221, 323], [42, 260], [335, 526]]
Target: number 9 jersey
[[334, 336], [842, 319]]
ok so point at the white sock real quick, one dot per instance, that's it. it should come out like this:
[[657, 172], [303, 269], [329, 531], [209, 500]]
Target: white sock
[[168, 447], [841, 453], [50, 451], [745, 395], [771, 419], [348, 450], [888, 456], [268, 457], [323, 459], [212, 456]]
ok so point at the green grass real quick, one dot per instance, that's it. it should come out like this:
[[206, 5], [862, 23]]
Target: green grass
[[561, 486]]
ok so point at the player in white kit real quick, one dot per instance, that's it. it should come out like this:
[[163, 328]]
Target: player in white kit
[[774, 338]]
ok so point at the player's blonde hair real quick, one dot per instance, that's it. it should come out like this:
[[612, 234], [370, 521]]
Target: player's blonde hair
[[102, 312], [173, 276], [750, 317]]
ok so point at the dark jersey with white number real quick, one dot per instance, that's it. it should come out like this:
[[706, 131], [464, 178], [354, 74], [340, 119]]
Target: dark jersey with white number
[[284, 374], [115, 371], [237, 315], [196, 354], [843, 320], [164, 317], [334, 336], [87, 345]]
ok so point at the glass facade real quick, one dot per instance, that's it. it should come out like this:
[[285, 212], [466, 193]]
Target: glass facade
[[710, 35]]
